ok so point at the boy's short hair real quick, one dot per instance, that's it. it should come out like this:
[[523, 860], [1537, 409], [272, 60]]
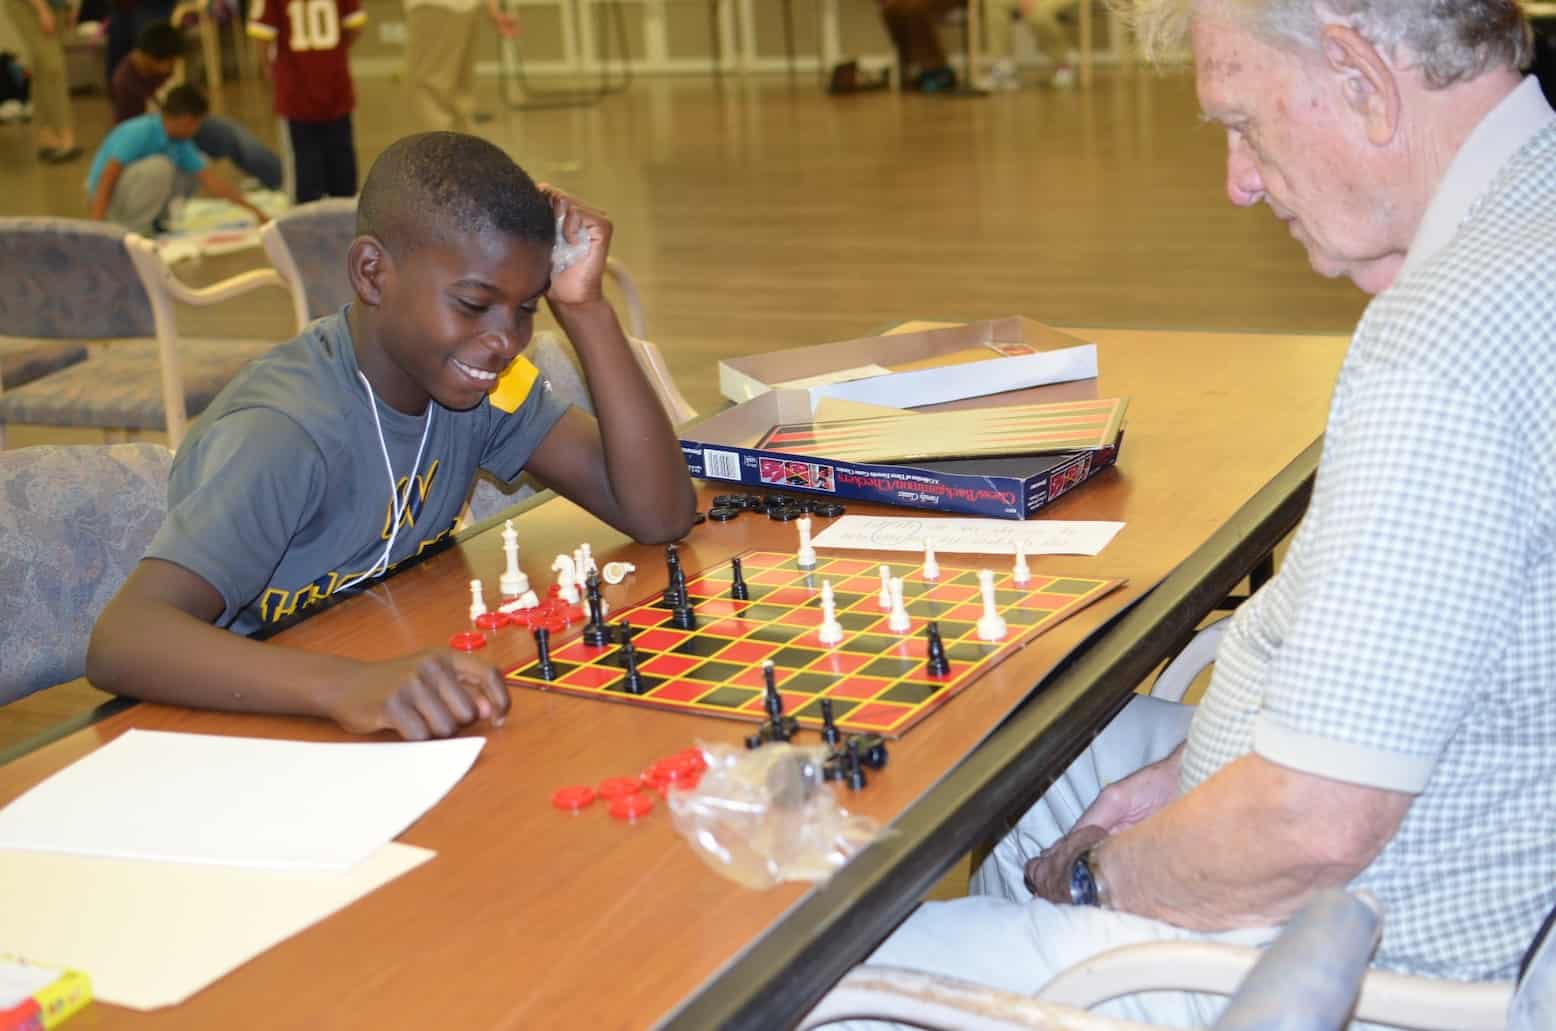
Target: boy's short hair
[[434, 184], [160, 40], [184, 101]]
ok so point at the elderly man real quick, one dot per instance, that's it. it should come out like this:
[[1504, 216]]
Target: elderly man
[[1383, 713]]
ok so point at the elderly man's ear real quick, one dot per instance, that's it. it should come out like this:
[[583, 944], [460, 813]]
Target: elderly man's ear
[[1367, 81]]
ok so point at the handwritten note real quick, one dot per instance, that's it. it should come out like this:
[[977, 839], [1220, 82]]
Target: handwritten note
[[980, 536]]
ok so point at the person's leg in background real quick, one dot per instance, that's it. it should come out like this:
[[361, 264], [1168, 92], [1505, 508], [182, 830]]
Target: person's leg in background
[[438, 40], [1055, 37], [308, 158], [41, 32], [224, 138], [913, 27], [142, 194], [340, 158]]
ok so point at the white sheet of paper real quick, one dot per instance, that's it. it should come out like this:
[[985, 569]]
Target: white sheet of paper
[[984, 536], [153, 934], [233, 801]]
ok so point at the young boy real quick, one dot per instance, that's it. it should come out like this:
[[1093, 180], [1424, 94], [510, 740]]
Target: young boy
[[314, 93], [138, 79], [147, 161], [348, 450]]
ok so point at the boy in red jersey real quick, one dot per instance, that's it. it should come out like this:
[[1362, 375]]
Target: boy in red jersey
[[310, 41]]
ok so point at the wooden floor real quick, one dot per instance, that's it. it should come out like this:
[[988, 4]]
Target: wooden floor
[[756, 215]]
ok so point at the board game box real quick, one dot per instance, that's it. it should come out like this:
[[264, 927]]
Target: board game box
[[877, 679], [722, 447]]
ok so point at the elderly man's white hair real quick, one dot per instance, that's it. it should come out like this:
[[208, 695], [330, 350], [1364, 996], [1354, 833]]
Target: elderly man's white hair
[[1450, 40]]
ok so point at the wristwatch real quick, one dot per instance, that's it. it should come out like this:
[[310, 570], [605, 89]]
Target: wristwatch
[[1087, 888]]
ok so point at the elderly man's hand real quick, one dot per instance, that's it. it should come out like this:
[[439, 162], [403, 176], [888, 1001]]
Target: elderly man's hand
[[1048, 876]]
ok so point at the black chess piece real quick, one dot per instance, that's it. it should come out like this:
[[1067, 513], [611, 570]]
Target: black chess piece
[[629, 657], [829, 731], [682, 616], [871, 749], [856, 777], [737, 587], [778, 726], [673, 574], [595, 633], [543, 664], [937, 663]]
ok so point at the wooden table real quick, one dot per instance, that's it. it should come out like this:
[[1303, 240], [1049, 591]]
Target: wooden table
[[531, 918]]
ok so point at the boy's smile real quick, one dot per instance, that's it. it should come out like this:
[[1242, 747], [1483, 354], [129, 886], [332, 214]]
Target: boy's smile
[[451, 317]]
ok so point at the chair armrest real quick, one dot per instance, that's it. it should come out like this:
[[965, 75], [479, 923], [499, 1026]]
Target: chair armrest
[[156, 273], [931, 1001]]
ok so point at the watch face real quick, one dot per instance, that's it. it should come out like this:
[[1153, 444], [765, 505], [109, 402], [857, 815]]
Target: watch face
[[1083, 887]]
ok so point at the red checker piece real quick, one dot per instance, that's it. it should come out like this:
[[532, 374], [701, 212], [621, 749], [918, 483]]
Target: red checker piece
[[492, 620], [630, 807], [468, 640], [616, 787], [573, 798]]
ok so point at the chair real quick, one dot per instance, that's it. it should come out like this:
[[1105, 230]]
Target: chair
[[77, 280], [307, 245], [73, 522], [22, 361], [1314, 977]]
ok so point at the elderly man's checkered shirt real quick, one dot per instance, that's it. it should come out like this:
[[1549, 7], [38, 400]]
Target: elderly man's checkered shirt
[[1409, 641]]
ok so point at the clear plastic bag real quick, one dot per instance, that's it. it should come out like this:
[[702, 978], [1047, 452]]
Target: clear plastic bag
[[766, 815]]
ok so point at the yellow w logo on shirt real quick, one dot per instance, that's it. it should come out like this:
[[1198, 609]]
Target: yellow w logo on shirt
[[407, 501]]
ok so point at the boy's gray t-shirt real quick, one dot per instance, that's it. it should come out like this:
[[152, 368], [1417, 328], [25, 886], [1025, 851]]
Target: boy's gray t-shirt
[[280, 493]]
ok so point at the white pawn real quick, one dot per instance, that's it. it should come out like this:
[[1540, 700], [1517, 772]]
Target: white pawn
[[898, 622], [588, 561], [477, 601], [885, 599], [513, 582], [831, 631], [566, 581], [1021, 573], [805, 558], [991, 627], [931, 567]]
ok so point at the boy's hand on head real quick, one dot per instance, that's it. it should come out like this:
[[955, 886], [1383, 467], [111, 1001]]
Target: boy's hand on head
[[583, 281], [430, 694]]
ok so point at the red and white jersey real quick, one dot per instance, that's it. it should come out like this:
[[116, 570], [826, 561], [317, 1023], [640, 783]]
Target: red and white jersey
[[313, 77]]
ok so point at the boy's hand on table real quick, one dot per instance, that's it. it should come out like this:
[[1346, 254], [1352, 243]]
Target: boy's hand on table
[[430, 694], [582, 282]]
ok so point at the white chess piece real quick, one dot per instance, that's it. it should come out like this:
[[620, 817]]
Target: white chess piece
[[513, 582], [931, 567], [615, 572], [527, 600], [477, 600], [1021, 573], [588, 560], [805, 558], [898, 622], [885, 599], [566, 579], [579, 572], [830, 631], [991, 627]]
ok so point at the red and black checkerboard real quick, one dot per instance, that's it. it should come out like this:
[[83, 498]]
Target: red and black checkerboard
[[876, 678]]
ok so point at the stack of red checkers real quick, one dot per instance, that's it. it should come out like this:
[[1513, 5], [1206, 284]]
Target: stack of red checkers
[[628, 800]]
